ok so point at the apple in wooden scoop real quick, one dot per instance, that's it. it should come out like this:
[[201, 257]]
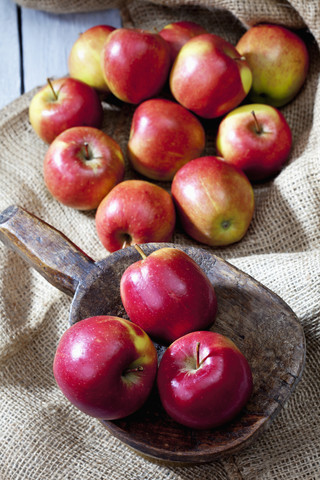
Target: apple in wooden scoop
[[106, 366], [168, 294], [204, 380]]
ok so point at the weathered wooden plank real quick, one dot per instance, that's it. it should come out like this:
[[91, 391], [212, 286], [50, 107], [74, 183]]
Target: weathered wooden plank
[[47, 40], [10, 80]]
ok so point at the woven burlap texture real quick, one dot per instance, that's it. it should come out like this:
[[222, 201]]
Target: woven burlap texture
[[42, 435]]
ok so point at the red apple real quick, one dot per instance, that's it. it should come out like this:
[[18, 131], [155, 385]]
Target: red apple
[[135, 64], [105, 366], [62, 104], [255, 138], [135, 211], [163, 137], [81, 166], [209, 76], [168, 295], [178, 33], [84, 60], [214, 200], [279, 61], [204, 380]]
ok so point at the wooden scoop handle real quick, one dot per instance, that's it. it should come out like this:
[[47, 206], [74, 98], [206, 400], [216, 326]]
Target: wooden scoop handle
[[43, 247]]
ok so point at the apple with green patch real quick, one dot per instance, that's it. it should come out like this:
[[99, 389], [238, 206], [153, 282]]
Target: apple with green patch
[[214, 201], [64, 103], [204, 381], [81, 167], [84, 60], [279, 62], [209, 76], [255, 138], [105, 366], [168, 294]]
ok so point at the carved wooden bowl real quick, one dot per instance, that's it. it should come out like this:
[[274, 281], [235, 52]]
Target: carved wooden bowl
[[260, 323]]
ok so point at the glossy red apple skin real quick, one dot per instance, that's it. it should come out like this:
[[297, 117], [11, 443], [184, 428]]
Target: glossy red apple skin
[[211, 394], [214, 201], [168, 295], [77, 104], [135, 211], [260, 147], [135, 64], [84, 61], [209, 77], [81, 166], [178, 33], [279, 61], [163, 137], [92, 361]]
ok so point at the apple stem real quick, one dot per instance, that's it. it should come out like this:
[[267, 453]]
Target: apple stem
[[53, 90], [139, 249], [125, 244], [127, 241], [242, 58], [133, 370], [86, 150], [198, 355], [257, 124]]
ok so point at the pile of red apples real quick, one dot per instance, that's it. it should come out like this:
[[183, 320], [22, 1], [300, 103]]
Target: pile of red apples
[[179, 79]]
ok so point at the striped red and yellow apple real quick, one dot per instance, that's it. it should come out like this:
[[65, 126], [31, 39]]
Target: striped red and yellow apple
[[135, 211], [214, 201], [163, 137], [64, 103], [84, 61], [209, 76], [279, 62], [81, 166], [255, 138], [135, 64]]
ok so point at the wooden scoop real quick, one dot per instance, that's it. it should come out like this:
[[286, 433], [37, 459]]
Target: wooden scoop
[[258, 321]]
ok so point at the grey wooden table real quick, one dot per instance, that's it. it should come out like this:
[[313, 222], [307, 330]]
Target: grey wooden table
[[35, 45]]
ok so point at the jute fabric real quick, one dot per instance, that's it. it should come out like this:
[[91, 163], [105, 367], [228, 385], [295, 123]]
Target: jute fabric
[[42, 436]]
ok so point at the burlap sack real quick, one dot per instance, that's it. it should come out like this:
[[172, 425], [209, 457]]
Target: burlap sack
[[42, 435]]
